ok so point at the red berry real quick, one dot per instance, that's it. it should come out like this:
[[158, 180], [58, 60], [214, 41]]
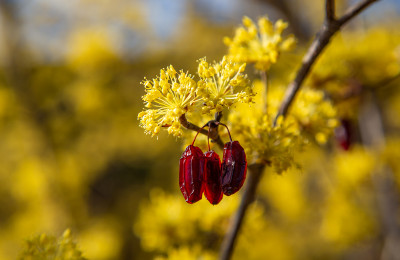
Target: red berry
[[234, 168], [343, 134], [212, 177], [191, 171]]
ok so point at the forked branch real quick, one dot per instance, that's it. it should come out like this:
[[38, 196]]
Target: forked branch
[[213, 132], [328, 29]]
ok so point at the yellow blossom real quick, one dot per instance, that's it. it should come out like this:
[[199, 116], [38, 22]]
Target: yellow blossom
[[48, 247], [222, 84], [259, 44], [167, 97], [196, 224]]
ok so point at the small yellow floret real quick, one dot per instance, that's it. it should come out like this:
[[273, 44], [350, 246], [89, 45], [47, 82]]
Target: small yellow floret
[[222, 84], [167, 98]]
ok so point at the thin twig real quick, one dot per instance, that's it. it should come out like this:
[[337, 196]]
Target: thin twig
[[359, 89], [255, 174], [329, 28], [213, 132], [354, 11], [186, 124], [330, 10]]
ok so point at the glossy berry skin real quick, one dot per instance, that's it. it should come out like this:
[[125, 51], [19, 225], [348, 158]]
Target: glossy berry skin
[[212, 178], [191, 173], [234, 168]]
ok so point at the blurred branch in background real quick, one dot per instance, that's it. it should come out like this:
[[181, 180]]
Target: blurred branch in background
[[16, 65], [328, 29], [373, 136]]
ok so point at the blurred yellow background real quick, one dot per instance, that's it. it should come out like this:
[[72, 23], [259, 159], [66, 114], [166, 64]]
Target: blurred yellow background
[[73, 156]]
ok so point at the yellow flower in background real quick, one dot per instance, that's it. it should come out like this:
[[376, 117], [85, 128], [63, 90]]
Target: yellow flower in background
[[91, 49], [358, 61], [168, 97], [167, 221], [346, 220], [260, 44], [45, 247], [354, 167], [315, 115], [222, 84], [188, 253]]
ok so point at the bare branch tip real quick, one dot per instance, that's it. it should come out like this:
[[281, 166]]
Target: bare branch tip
[[330, 10]]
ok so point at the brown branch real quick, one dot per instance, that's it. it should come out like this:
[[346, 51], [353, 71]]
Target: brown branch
[[355, 89], [186, 124], [354, 11], [254, 176], [213, 132], [330, 10], [329, 28]]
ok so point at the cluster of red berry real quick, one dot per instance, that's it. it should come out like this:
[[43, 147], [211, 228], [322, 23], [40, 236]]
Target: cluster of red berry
[[200, 172]]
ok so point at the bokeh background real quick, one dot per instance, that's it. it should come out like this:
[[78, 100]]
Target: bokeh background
[[73, 156]]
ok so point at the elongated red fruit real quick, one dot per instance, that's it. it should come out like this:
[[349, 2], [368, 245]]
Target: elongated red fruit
[[212, 177], [191, 173], [234, 168]]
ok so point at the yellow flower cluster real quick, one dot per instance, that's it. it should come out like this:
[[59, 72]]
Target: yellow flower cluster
[[222, 84], [265, 143], [311, 118], [168, 97], [260, 44], [314, 115], [49, 247], [181, 231], [188, 253], [174, 222], [172, 94]]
